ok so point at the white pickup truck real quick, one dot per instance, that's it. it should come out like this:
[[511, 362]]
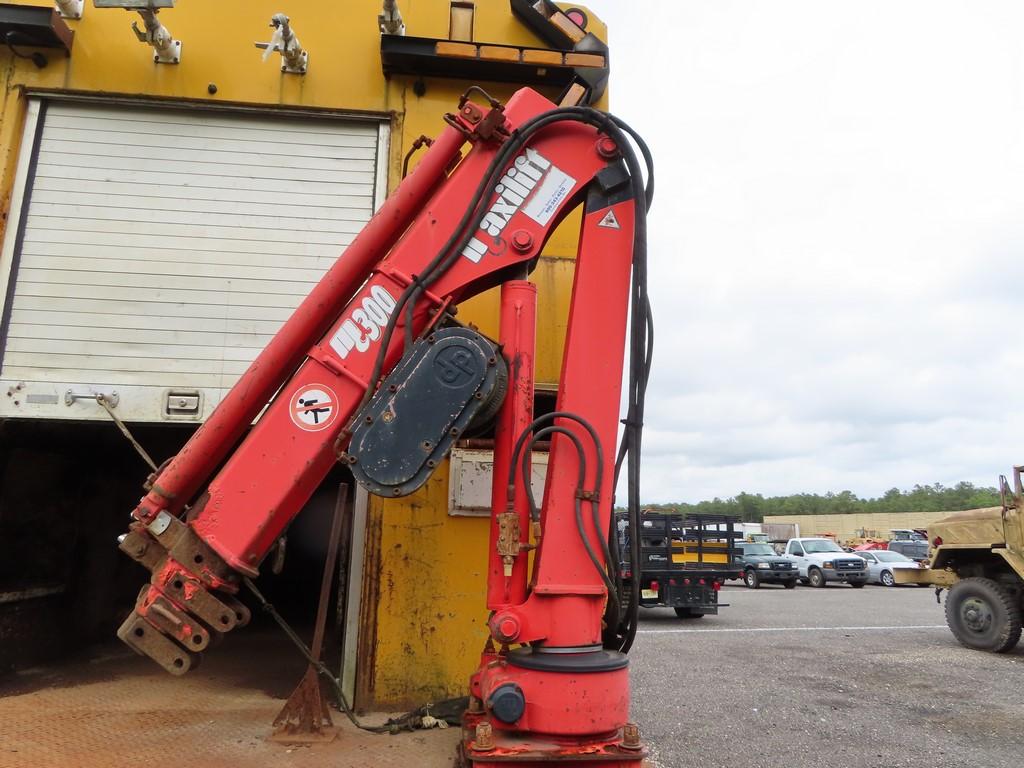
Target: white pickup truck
[[822, 560]]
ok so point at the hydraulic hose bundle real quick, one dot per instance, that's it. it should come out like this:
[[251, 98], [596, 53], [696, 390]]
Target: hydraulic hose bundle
[[622, 613]]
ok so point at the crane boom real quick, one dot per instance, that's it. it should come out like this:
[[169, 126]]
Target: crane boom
[[373, 370]]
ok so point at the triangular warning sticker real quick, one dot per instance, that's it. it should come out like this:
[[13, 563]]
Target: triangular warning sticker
[[609, 221]]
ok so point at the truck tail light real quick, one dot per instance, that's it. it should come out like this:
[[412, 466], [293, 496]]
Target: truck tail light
[[654, 586], [702, 582], [937, 541], [686, 582], [671, 582], [716, 586]]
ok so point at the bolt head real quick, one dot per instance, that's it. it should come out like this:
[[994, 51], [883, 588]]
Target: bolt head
[[508, 628], [607, 148], [631, 736], [483, 740], [522, 240]]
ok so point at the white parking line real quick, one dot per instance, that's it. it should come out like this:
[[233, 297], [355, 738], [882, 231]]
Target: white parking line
[[786, 629]]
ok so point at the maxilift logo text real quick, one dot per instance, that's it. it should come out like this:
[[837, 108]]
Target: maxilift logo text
[[513, 189]]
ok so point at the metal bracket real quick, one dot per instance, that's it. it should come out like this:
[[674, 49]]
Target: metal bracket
[[160, 523], [112, 399], [70, 9], [166, 50], [294, 59]]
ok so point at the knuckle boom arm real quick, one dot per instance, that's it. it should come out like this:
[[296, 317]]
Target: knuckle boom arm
[[371, 371]]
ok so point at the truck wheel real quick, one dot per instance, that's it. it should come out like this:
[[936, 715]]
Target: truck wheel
[[688, 613], [983, 615], [816, 577], [751, 579], [791, 584], [887, 579]]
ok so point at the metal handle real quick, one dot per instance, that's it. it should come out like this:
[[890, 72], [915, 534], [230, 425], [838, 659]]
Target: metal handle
[[112, 399]]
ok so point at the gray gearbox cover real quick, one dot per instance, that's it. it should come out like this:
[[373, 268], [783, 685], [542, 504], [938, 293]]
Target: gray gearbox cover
[[446, 381]]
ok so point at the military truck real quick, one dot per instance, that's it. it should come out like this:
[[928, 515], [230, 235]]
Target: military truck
[[978, 556]]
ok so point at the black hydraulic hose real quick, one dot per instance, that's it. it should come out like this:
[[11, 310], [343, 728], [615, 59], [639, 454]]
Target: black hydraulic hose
[[641, 346], [523, 461], [641, 325], [470, 222], [581, 474], [598, 450]]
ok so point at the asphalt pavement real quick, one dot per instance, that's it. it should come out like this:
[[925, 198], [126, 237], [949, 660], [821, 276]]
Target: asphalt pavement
[[867, 678]]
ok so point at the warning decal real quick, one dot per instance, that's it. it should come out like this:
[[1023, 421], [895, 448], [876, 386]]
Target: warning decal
[[314, 407], [609, 221]]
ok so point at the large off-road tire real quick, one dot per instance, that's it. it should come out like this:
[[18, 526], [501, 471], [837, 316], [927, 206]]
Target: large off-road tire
[[887, 579], [983, 615], [751, 579], [688, 613], [816, 577], [791, 584]]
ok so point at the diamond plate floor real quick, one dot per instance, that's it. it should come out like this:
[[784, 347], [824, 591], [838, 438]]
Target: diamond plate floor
[[118, 710]]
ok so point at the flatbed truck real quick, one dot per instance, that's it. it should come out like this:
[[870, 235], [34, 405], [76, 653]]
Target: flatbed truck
[[684, 560]]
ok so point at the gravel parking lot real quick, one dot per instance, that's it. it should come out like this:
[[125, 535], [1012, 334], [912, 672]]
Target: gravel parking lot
[[821, 677]]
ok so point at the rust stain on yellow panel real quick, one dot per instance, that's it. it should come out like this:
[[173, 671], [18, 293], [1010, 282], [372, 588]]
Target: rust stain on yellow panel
[[431, 621]]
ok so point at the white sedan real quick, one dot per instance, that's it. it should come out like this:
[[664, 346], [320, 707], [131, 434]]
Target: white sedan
[[881, 564]]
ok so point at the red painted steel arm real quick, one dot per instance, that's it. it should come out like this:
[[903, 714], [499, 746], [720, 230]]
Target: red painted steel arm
[[179, 481], [271, 473], [567, 595]]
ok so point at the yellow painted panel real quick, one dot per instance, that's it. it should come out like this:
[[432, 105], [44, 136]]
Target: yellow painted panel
[[431, 619], [217, 47], [431, 607]]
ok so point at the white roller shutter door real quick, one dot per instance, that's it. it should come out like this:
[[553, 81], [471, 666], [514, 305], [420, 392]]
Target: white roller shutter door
[[160, 249]]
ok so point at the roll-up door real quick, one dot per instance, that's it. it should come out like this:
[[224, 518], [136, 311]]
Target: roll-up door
[[154, 252]]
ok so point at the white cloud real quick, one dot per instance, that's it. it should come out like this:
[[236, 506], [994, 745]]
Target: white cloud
[[836, 240]]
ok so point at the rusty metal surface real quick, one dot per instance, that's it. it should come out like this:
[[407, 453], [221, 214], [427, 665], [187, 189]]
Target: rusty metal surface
[[121, 710], [305, 717]]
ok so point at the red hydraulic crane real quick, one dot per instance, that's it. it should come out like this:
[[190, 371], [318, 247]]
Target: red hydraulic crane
[[373, 370]]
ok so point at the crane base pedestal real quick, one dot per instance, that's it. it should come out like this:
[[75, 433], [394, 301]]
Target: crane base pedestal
[[535, 752]]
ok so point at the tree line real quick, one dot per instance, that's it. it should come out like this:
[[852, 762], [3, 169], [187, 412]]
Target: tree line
[[753, 507]]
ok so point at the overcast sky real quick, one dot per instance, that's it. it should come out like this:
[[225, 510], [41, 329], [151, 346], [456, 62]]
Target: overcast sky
[[836, 240]]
